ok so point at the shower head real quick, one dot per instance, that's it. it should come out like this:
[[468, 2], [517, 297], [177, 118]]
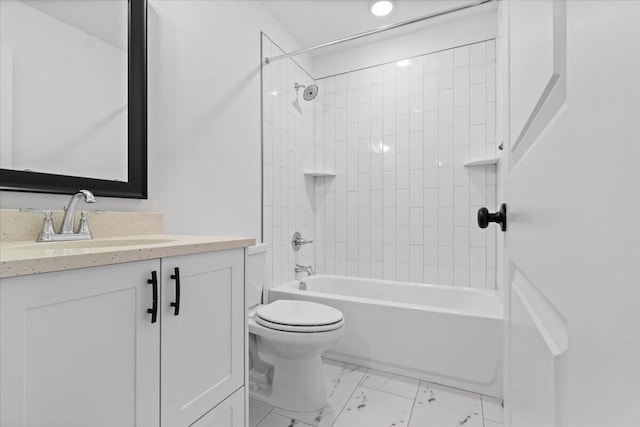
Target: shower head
[[309, 93]]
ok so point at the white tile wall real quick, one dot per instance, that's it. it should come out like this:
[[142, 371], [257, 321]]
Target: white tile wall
[[402, 206], [288, 150]]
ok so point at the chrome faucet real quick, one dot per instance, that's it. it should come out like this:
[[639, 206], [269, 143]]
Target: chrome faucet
[[305, 269], [48, 233], [70, 211]]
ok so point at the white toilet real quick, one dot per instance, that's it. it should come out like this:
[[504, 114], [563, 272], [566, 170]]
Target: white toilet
[[286, 339]]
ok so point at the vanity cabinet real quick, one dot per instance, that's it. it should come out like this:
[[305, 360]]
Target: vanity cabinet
[[78, 347], [202, 344], [231, 412]]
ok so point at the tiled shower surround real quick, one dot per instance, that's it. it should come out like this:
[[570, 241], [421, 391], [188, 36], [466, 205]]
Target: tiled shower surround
[[287, 151], [402, 206]]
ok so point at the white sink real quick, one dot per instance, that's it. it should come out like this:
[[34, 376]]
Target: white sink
[[87, 244]]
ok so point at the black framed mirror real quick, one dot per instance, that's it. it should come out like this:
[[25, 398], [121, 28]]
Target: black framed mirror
[[135, 183]]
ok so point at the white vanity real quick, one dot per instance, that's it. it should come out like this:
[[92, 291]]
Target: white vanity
[[82, 342]]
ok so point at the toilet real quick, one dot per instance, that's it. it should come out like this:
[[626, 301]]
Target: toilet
[[286, 340]]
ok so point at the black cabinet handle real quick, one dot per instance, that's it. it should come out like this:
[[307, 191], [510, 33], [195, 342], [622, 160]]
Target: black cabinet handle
[[154, 308], [176, 276], [500, 217]]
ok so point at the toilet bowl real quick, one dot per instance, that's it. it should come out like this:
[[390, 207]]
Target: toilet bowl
[[286, 340], [291, 348]]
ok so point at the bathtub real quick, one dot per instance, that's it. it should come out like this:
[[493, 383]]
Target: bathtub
[[443, 334]]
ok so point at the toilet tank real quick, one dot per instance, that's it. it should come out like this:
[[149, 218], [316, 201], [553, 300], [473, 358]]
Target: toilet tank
[[255, 273]]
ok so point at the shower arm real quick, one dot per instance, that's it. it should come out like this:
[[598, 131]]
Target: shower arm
[[375, 31]]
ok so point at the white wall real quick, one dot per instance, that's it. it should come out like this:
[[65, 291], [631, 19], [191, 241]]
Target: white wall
[[388, 48], [402, 205], [204, 118]]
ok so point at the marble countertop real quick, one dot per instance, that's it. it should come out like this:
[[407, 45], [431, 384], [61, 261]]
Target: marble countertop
[[20, 258]]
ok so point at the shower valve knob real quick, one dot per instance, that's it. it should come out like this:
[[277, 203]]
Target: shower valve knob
[[500, 217], [298, 241]]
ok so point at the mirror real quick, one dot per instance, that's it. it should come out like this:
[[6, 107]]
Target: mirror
[[73, 96]]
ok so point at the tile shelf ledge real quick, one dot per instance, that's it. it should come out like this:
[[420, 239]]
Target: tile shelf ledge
[[482, 162], [317, 174]]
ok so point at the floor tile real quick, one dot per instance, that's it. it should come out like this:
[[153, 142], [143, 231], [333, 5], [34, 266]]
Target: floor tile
[[492, 409], [277, 420], [438, 405], [373, 408], [342, 379], [257, 411], [358, 397], [396, 384]]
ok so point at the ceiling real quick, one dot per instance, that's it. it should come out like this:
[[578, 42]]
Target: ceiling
[[312, 22]]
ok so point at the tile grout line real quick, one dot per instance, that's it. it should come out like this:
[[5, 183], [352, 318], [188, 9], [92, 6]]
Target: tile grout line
[[383, 391], [415, 400], [265, 416], [349, 398]]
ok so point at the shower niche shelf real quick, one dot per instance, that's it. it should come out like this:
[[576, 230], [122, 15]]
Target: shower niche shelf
[[317, 174], [483, 162]]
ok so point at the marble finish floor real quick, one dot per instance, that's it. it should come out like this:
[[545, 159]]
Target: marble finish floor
[[361, 397]]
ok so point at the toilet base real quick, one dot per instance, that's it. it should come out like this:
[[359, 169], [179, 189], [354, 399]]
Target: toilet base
[[298, 385]]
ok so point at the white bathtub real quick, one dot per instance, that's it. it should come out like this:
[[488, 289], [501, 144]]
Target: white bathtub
[[443, 334]]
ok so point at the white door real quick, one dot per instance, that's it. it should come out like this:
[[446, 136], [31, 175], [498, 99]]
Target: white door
[[77, 348], [572, 188], [202, 345]]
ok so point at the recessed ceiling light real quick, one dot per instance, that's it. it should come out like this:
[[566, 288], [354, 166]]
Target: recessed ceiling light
[[382, 7], [404, 63]]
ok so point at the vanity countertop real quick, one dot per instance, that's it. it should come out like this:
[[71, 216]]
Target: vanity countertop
[[20, 258]]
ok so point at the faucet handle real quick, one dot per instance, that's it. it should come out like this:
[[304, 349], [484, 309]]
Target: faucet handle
[[298, 241], [83, 228], [36, 210], [47, 225]]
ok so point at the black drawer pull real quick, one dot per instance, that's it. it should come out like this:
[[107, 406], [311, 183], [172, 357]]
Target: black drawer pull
[[154, 308], [176, 277]]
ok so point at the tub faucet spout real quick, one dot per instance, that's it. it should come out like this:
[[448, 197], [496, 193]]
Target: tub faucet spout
[[305, 269]]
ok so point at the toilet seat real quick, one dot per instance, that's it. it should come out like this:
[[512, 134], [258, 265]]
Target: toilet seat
[[298, 316], [301, 329]]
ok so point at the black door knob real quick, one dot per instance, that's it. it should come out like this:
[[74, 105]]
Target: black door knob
[[500, 217]]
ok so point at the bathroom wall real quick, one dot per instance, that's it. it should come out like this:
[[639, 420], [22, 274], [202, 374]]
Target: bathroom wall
[[444, 32], [204, 118], [402, 206], [287, 153]]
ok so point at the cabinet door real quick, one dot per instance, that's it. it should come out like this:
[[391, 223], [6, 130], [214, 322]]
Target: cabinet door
[[229, 413], [77, 348], [202, 346]]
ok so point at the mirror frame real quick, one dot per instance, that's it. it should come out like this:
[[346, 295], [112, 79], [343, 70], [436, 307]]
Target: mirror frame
[[136, 186]]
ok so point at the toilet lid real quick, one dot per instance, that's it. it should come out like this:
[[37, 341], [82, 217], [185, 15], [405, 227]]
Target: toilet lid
[[298, 316]]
